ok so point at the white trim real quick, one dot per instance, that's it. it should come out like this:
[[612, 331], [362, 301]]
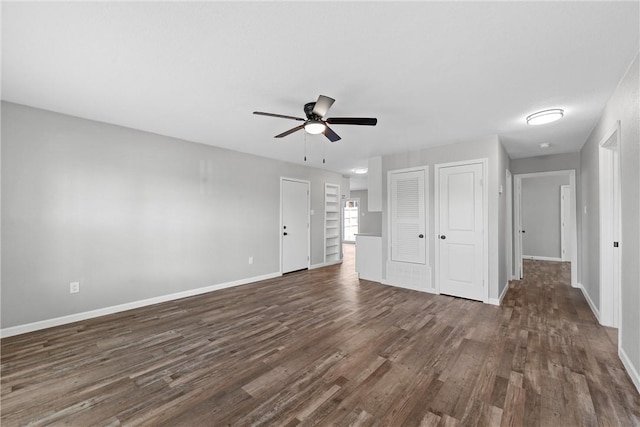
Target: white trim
[[517, 208], [324, 264], [631, 370], [284, 178], [485, 212], [542, 258], [548, 173], [57, 321], [593, 307], [508, 202], [498, 301], [565, 233], [609, 226]]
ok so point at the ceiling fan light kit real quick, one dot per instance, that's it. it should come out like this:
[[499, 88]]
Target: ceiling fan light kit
[[315, 123], [545, 116], [314, 127]]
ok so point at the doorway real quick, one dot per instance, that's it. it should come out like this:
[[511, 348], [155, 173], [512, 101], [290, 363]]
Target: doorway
[[294, 225], [350, 214], [407, 248], [610, 238], [538, 238], [461, 220]]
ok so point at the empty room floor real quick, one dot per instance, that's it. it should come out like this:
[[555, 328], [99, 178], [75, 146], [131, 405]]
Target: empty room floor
[[320, 347]]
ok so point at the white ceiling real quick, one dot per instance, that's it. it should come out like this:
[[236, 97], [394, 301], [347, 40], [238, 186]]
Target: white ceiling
[[433, 73]]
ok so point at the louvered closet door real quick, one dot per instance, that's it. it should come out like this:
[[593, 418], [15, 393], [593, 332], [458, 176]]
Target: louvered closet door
[[408, 218]]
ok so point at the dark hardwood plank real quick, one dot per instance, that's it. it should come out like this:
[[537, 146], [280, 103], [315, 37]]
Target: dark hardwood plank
[[321, 347]]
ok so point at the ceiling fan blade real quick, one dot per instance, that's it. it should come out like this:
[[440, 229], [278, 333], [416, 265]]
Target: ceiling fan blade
[[322, 105], [260, 113], [362, 121], [333, 137], [290, 131]]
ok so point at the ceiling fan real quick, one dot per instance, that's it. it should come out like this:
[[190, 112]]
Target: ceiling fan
[[315, 123]]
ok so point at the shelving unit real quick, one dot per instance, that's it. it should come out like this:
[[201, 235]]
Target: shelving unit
[[331, 223]]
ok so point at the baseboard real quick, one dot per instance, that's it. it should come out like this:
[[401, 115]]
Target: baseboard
[[77, 317], [324, 264], [593, 307], [542, 258], [631, 370], [498, 301]]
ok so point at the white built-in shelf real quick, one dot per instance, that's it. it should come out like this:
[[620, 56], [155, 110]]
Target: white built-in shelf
[[331, 223]]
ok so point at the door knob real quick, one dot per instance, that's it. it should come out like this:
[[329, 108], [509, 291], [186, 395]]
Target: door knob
[[285, 233], [421, 236], [443, 236], [523, 231]]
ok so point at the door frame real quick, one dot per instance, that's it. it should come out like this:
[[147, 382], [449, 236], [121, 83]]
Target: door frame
[[609, 224], [344, 206], [564, 244], [281, 236], [509, 225], [517, 250], [485, 220], [406, 274], [518, 213], [424, 169]]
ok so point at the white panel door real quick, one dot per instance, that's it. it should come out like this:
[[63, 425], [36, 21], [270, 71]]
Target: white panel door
[[408, 217], [295, 225], [460, 235]]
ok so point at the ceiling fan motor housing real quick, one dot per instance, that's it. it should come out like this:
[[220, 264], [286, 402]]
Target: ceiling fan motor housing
[[308, 111]]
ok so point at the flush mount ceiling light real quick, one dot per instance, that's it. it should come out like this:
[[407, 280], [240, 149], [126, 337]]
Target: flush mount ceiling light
[[313, 127], [545, 145], [361, 171], [544, 117]]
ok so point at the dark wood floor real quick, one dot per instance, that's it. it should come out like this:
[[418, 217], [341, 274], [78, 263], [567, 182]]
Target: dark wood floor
[[322, 348]]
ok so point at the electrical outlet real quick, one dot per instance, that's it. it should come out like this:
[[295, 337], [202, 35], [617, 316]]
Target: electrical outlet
[[74, 287], [250, 260]]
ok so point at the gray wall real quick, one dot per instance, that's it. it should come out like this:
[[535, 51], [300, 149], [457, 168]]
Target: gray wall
[[490, 148], [131, 215], [345, 186], [554, 162], [624, 106], [368, 222], [541, 215]]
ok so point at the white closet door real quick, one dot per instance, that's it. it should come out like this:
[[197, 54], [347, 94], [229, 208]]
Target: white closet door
[[295, 225], [408, 217], [460, 238]]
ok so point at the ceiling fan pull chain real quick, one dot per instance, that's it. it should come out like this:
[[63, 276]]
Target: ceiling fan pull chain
[[324, 152], [305, 146]]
